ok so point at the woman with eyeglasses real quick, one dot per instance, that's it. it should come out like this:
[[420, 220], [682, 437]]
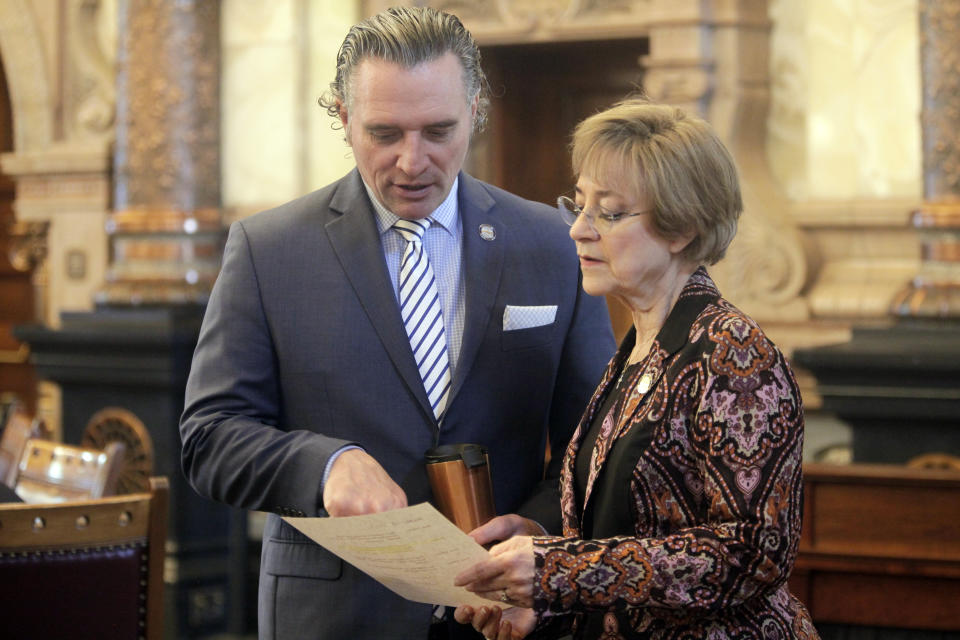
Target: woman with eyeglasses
[[681, 488]]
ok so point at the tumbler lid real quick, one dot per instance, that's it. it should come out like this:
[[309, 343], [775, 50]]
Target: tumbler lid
[[473, 455]]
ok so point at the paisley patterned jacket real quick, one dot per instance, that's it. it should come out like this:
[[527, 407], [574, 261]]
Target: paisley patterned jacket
[[704, 464]]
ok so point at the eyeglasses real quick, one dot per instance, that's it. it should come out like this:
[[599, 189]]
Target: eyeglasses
[[601, 222]]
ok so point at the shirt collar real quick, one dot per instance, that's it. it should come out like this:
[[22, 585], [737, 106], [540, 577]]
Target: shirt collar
[[445, 215]]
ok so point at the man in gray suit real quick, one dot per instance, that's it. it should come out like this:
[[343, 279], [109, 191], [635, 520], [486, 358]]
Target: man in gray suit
[[311, 391]]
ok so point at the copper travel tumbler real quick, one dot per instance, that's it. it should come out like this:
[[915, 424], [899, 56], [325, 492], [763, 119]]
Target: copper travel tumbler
[[460, 478]]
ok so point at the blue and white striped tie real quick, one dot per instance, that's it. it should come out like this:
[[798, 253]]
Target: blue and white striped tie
[[422, 316]]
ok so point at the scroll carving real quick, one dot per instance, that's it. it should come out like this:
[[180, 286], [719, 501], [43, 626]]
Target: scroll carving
[[607, 6], [766, 266], [91, 111], [525, 14], [535, 10], [467, 9], [543, 17]]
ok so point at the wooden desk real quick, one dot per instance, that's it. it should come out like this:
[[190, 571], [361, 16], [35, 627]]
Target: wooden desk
[[880, 546]]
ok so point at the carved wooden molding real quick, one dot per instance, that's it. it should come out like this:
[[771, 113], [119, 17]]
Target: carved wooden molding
[[28, 245], [67, 187]]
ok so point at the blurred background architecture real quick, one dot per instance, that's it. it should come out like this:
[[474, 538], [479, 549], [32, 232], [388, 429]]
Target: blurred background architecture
[[132, 132]]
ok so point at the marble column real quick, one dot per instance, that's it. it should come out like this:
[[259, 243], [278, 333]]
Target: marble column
[[165, 228], [935, 291]]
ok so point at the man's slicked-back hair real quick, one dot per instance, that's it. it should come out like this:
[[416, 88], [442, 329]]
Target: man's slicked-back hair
[[408, 36]]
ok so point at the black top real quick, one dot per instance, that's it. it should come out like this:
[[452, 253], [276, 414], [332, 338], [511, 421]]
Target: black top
[[625, 451]]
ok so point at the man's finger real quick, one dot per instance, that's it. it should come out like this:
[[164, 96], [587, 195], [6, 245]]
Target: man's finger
[[478, 573], [463, 614], [493, 530]]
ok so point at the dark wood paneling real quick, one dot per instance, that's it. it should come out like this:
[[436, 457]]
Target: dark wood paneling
[[904, 602], [540, 93]]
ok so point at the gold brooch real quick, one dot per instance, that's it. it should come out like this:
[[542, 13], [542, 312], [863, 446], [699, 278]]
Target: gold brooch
[[645, 381]]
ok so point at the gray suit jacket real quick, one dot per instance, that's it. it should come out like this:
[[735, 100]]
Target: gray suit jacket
[[302, 351]]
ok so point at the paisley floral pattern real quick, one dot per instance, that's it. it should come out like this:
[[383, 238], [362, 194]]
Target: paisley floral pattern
[[716, 495]]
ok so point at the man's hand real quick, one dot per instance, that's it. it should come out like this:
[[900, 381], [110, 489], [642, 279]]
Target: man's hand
[[358, 485], [505, 527]]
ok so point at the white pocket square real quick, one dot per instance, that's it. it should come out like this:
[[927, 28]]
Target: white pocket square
[[515, 317]]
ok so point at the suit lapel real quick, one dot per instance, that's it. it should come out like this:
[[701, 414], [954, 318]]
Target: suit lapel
[[482, 269], [356, 241]]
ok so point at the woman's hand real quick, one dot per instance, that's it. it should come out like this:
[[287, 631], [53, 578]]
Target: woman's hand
[[506, 576], [496, 623]]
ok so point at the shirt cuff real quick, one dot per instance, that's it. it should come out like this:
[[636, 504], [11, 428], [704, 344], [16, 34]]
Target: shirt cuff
[[543, 529], [330, 461]]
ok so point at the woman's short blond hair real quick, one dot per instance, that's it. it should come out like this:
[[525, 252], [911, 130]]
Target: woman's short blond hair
[[673, 158]]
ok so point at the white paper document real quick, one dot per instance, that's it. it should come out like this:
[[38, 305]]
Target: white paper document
[[415, 551]]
